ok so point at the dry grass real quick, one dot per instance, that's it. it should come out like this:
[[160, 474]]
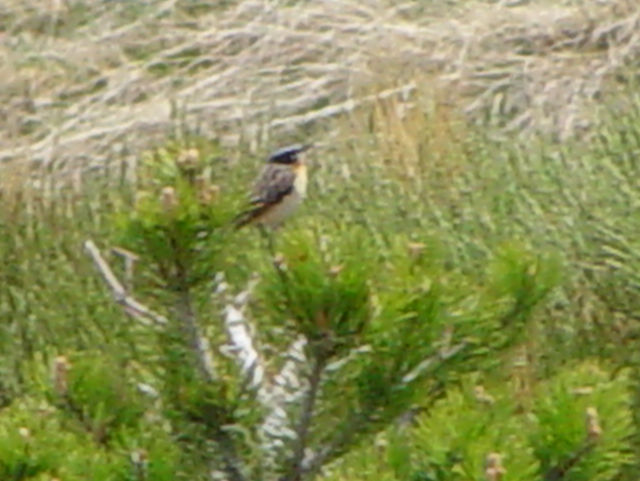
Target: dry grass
[[83, 82]]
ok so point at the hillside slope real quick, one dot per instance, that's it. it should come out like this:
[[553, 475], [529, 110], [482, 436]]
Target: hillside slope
[[83, 82]]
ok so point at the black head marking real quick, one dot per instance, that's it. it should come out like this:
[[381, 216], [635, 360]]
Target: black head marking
[[288, 155]]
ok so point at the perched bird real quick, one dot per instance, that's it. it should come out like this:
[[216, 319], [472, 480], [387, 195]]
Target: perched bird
[[279, 190]]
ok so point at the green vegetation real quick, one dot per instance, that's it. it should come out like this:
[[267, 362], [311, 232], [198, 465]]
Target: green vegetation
[[452, 303], [459, 324], [540, 434]]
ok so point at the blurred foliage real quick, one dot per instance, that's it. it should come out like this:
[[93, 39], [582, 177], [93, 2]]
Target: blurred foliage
[[45, 436], [323, 286], [460, 435], [179, 218]]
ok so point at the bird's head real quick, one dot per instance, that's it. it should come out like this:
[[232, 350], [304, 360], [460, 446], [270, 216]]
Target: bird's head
[[289, 154]]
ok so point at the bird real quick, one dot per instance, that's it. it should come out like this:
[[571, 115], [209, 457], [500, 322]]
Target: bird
[[279, 189]]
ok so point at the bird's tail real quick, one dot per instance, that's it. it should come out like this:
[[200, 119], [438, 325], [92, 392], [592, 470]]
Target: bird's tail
[[244, 218]]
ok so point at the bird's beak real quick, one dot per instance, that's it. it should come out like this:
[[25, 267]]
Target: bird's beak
[[305, 147]]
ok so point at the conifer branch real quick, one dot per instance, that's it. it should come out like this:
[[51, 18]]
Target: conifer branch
[[594, 432], [298, 468], [358, 420], [183, 306], [274, 395], [199, 343], [560, 470], [146, 316], [343, 438], [424, 366], [232, 466]]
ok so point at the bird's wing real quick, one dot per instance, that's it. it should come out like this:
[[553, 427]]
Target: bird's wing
[[274, 184]]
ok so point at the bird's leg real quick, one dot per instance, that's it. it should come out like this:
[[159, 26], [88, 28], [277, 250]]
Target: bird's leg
[[267, 235]]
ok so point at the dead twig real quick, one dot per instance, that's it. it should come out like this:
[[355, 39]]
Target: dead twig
[[129, 259], [131, 306]]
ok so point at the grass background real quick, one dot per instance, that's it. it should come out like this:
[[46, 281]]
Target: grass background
[[474, 128]]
